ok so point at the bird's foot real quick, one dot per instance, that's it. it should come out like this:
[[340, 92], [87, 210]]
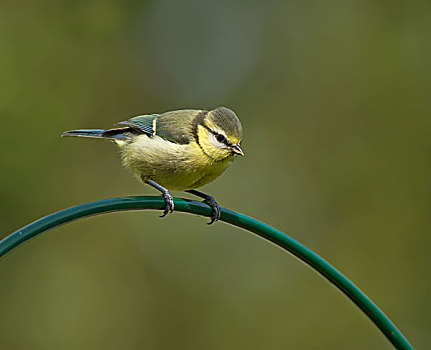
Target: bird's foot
[[211, 202], [169, 203], [215, 207], [165, 193]]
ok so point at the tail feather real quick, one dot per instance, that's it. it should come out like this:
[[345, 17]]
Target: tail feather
[[113, 134], [95, 133]]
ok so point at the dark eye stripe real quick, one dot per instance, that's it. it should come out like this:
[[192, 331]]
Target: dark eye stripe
[[219, 137]]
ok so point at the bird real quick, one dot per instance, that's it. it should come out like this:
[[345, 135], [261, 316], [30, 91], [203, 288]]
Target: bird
[[179, 150]]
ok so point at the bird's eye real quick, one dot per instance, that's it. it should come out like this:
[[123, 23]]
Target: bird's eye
[[220, 138]]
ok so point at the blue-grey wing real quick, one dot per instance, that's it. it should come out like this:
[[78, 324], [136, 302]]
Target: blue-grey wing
[[175, 126], [144, 124]]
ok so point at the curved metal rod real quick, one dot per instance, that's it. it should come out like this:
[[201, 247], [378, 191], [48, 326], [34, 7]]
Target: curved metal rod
[[271, 234]]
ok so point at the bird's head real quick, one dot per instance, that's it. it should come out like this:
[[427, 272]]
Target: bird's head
[[219, 134]]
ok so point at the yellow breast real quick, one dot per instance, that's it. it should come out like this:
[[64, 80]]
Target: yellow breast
[[173, 166]]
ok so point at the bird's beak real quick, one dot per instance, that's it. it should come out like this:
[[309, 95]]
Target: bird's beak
[[236, 149]]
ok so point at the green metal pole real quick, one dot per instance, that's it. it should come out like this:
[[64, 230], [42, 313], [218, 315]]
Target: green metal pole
[[237, 219]]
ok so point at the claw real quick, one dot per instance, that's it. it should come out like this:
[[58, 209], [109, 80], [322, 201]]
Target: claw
[[169, 204], [211, 202], [215, 207], [166, 195]]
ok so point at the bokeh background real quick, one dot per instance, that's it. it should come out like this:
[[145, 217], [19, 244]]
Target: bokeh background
[[334, 97]]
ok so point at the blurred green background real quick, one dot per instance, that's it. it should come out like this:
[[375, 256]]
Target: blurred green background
[[334, 98]]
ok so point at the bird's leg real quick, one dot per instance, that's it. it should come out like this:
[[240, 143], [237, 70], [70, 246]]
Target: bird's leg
[[211, 202], [166, 195]]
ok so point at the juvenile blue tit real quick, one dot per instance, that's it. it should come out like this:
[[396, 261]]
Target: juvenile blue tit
[[179, 150]]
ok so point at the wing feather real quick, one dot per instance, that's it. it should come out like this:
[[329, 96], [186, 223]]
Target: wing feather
[[175, 126], [142, 123]]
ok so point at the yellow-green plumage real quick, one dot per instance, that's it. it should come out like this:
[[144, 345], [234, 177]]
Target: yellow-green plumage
[[174, 166], [177, 150]]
